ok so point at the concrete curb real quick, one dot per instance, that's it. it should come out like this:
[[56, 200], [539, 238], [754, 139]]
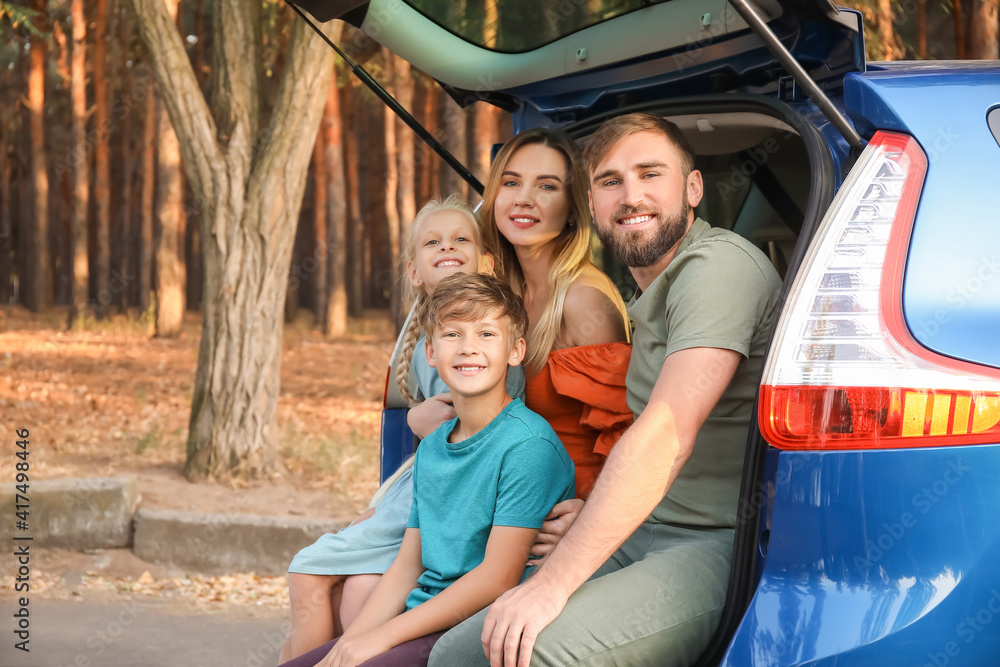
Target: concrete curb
[[225, 543], [88, 513]]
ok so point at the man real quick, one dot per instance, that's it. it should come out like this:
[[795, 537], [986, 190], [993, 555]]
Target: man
[[641, 577]]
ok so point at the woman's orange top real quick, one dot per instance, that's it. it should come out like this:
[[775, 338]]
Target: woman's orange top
[[581, 393]]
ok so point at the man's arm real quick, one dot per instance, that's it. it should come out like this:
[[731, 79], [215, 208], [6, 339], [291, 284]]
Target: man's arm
[[636, 476]]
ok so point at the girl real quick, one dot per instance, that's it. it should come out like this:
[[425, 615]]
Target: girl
[[330, 580]]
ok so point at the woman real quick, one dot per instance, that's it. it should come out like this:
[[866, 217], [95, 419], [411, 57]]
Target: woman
[[536, 223]]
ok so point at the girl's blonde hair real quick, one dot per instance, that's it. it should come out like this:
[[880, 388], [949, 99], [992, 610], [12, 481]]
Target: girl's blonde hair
[[572, 252], [419, 296]]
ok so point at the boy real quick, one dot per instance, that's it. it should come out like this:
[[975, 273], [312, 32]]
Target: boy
[[482, 485]]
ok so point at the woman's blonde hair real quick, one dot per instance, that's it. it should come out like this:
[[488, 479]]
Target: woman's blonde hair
[[408, 341], [572, 251]]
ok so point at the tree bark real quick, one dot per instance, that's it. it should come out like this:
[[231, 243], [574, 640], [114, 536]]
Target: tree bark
[[102, 195], [983, 39], [251, 185], [169, 210], [81, 176], [356, 232], [145, 236], [455, 140], [886, 30], [335, 323], [319, 251], [958, 17], [123, 233], [487, 128], [392, 216], [6, 215], [41, 296]]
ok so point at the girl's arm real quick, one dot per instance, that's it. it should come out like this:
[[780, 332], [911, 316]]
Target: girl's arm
[[501, 569]]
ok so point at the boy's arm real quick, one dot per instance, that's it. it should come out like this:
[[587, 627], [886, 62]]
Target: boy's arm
[[388, 599], [501, 570], [506, 552]]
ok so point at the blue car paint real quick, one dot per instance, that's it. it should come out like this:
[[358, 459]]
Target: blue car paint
[[951, 295], [888, 557]]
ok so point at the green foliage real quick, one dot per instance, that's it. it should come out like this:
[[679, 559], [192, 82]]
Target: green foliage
[[17, 17]]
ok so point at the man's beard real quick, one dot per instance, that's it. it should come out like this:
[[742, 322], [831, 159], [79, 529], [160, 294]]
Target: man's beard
[[642, 249]]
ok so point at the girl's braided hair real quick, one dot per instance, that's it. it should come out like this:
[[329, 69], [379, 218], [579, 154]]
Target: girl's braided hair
[[408, 340]]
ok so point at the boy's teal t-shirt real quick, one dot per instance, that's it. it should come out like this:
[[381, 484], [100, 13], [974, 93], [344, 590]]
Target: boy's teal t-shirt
[[509, 474]]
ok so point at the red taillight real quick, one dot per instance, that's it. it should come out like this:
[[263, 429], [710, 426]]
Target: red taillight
[[844, 372]]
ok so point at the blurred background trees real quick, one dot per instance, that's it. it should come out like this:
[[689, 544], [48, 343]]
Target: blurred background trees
[[101, 215]]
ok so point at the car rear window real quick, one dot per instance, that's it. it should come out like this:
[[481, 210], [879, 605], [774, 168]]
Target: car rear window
[[515, 27]]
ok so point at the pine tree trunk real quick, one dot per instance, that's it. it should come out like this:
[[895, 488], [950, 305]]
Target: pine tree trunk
[[434, 162], [455, 140], [407, 196], [250, 186], [123, 233], [6, 205], [356, 231], [81, 176], [335, 323], [886, 30], [41, 263], [959, 19], [102, 128], [391, 192], [486, 133], [169, 210], [319, 253], [146, 207], [983, 26]]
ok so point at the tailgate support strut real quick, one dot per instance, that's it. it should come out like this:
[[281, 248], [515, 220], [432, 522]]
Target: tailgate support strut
[[396, 107], [792, 66]]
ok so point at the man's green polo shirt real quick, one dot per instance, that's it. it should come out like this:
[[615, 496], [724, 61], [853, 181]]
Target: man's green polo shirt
[[719, 291]]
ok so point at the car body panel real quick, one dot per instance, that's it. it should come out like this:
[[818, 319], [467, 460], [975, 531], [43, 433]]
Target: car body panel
[[877, 558]]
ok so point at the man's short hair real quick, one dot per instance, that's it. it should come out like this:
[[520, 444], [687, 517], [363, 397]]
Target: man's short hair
[[468, 298], [618, 128]]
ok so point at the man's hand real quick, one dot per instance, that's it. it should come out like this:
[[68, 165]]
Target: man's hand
[[515, 619], [423, 419], [556, 524], [354, 650]]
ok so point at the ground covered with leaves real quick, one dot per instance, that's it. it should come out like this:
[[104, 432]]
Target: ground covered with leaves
[[113, 400]]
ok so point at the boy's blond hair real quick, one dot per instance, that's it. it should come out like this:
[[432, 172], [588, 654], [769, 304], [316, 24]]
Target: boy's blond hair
[[474, 297]]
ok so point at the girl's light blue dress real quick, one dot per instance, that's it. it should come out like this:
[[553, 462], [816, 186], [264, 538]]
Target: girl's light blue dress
[[370, 547]]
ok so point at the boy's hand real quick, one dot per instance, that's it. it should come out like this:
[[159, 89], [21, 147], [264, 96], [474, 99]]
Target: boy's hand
[[423, 419], [353, 650], [557, 522]]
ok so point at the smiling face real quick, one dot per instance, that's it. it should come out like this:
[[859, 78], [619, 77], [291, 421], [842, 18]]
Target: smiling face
[[444, 243], [472, 356], [642, 200], [533, 204]]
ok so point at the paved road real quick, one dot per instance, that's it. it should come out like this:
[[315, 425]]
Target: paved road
[[140, 633]]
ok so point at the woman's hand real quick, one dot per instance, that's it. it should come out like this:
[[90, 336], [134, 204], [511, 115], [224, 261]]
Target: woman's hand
[[353, 650], [557, 522], [423, 419]]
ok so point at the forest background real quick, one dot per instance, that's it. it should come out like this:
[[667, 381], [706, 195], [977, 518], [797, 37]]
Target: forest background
[[106, 287]]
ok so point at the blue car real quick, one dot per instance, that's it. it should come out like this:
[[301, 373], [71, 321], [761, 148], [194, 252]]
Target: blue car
[[869, 522]]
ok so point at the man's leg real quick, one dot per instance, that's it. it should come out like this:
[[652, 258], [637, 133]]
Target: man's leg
[[660, 610]]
